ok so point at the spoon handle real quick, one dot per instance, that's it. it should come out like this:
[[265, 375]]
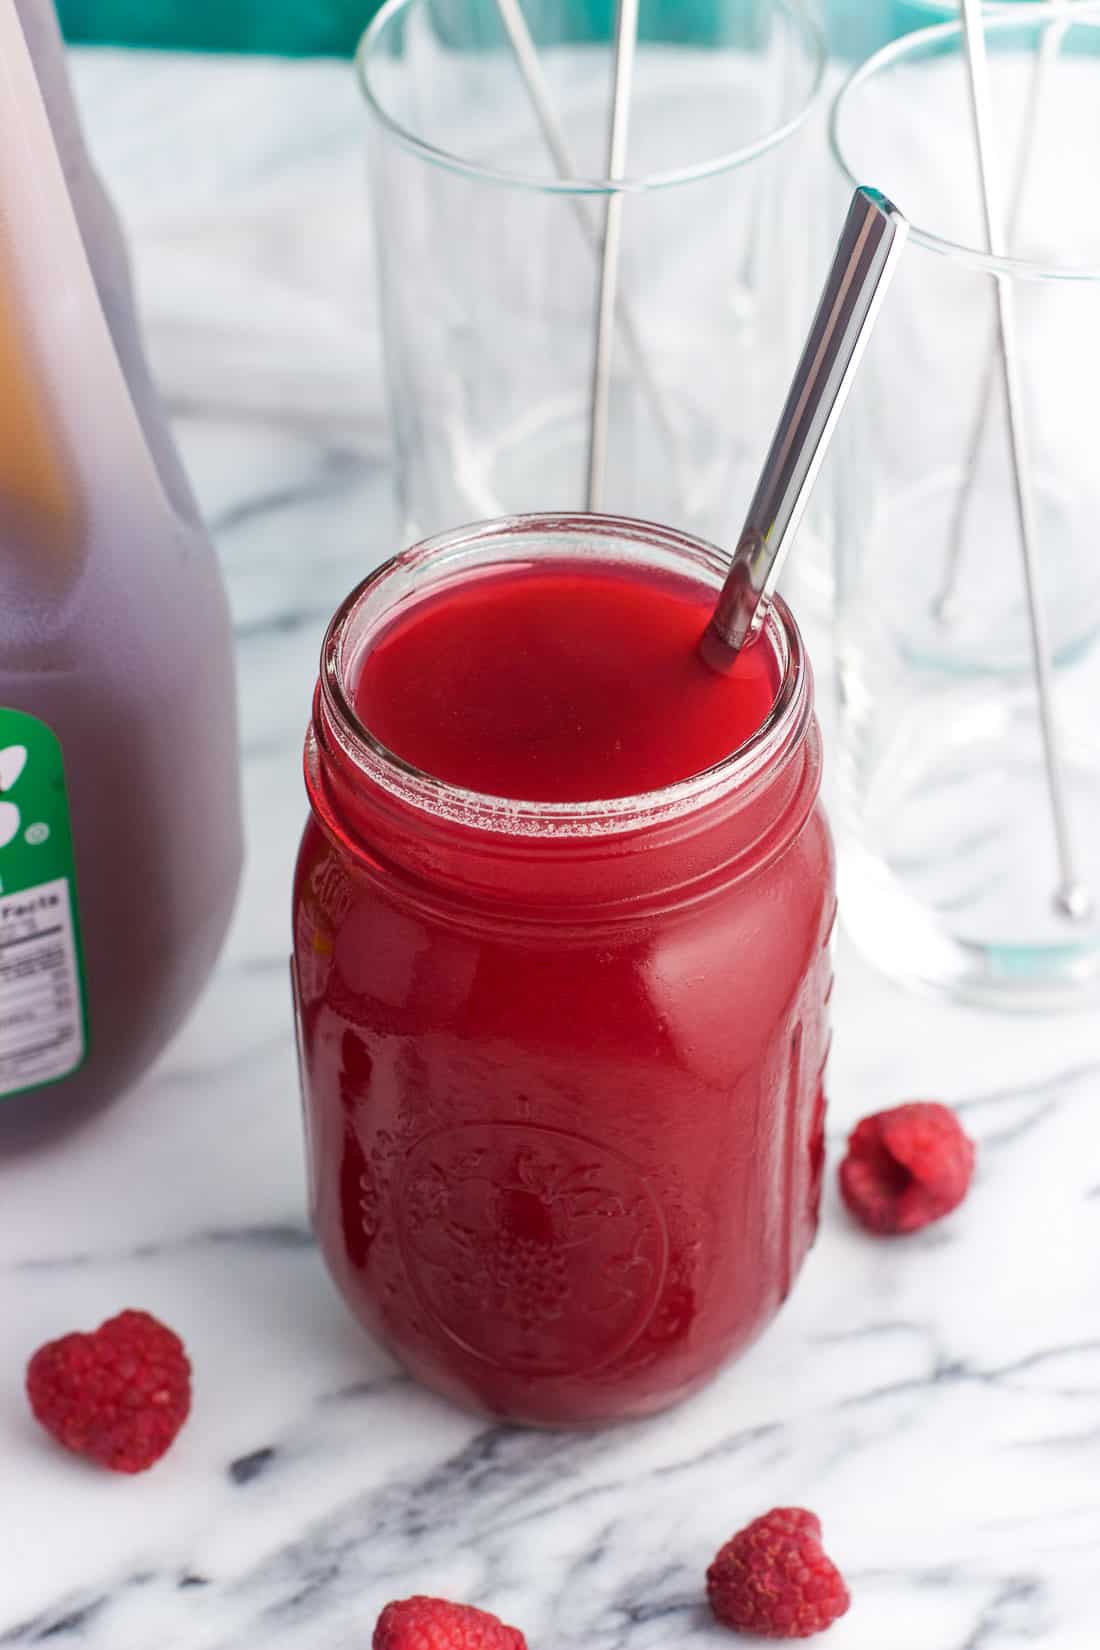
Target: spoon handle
[[866, 255]]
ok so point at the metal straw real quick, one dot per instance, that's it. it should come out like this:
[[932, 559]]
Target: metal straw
[[527, 61], [626, 39], [1072, 897], [866, 256], [946, 603]]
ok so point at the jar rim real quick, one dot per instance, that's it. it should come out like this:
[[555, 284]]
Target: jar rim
[[514, 535]]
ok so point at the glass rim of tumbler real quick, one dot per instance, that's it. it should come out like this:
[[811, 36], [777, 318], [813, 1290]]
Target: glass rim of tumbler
[[727, 161], [1009, 16], [778, 733]]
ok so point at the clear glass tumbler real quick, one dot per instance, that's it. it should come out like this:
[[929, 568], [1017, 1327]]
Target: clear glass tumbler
[[489, 257], [949, 867]]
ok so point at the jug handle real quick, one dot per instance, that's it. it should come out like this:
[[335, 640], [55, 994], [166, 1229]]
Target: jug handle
[[85, 398]]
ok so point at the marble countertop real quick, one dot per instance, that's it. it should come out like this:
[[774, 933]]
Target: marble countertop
[[937, 1400]]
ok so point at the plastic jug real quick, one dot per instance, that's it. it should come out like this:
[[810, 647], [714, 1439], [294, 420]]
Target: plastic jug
[[120, 838]]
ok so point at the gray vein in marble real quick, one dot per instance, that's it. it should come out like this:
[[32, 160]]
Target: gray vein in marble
[[241, 1060], [248, 1467], [69, 1618], [1001, 1616], [273, 1238], [285, 623], [340, 471], [957, 1370], [355, 424]]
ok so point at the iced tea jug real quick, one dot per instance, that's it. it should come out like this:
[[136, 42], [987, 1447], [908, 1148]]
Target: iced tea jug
[[119, 810]]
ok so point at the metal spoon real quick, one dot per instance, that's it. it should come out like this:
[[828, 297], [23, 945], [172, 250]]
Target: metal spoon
[[866, 257]]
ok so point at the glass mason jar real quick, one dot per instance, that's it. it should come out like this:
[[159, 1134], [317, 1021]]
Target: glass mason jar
[[562, 1063]]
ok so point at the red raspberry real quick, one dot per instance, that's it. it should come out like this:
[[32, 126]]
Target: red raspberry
[[773, 1578], [118, 1396], [906, 1167], [434, 1624]]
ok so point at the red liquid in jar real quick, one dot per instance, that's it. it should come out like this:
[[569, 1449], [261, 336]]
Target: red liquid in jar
[[563, 1095], [561, 685]]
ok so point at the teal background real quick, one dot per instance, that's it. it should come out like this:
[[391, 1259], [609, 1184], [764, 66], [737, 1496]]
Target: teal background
[[303, 28]]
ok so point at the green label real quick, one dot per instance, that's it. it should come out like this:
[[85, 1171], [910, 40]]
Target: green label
[[43, 1021]]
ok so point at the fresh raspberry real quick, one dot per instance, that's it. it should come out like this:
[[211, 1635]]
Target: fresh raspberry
[[906, 1167], [434, 1624], [774, 1580], [118, 1396]]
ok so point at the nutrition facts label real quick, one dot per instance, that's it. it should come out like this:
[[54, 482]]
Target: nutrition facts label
[[41, 1017]]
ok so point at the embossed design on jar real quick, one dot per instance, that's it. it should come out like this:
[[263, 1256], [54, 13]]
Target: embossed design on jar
[[534, 1249], [358, 1199]]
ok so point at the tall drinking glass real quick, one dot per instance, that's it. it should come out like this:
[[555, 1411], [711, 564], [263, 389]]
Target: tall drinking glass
[[949, 862], [490, 257]]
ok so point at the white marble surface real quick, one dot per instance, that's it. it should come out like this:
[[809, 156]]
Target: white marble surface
[[937, 1401]]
